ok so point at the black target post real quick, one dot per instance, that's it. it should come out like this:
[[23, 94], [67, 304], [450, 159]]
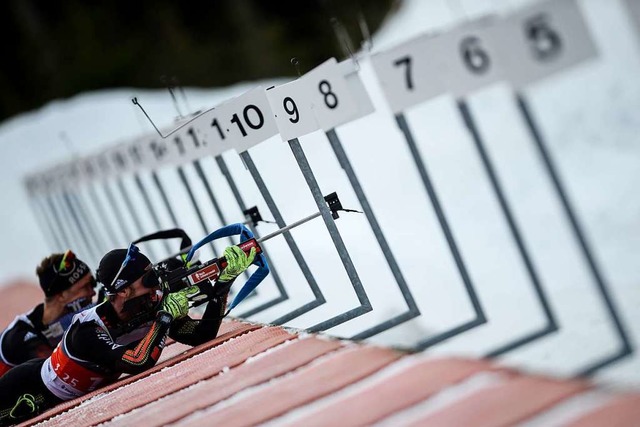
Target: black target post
[[626, 349]]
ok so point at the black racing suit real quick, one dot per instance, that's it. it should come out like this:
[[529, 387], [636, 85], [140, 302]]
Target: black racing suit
[[27, 338], [97, 348]]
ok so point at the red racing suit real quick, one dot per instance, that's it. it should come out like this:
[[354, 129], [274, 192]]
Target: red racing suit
[[97, 349]]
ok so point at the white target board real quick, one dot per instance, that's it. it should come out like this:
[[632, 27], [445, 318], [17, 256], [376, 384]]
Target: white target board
[[201, 136], [39, 182], [73, 174], [123, 158], [543, 39], [349, 69], [330, 95], [634, 12], [30, 184], [191, 143], [157, 151], [468, 56], [93, 167], [241, 123], [57, 178], [103, 165], [88, 169], [291, 107], [408, 73]]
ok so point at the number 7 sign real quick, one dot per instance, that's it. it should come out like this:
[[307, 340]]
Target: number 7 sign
[[408, 73]]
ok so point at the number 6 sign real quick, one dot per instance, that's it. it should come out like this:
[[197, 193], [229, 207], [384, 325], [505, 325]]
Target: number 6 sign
[[468, 56]]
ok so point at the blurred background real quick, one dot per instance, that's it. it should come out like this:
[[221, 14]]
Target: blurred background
[[59, 50], [70, 71]]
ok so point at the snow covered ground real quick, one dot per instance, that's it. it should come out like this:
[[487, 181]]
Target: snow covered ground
[[588, 116]]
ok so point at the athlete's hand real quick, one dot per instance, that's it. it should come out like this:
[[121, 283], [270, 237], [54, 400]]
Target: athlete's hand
[[237, 262], [176, 304]]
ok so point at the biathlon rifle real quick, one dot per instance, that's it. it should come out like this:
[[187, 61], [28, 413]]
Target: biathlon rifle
[[204, 275]]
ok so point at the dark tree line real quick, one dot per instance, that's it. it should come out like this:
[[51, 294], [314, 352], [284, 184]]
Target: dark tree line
[[58, 49]]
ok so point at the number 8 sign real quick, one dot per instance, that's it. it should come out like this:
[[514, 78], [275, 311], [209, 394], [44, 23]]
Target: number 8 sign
[[330, 95]]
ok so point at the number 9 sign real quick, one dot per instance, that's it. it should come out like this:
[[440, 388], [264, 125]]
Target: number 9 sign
[[291, 107]]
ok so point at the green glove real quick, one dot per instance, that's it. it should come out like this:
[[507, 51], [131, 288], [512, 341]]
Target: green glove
[[237, 262], [176, 304]]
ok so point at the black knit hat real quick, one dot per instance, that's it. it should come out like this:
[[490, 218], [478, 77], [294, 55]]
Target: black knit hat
[[111, 263], [65, 271]]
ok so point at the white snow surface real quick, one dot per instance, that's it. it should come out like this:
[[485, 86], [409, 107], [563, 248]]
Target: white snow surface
[[589, 117]]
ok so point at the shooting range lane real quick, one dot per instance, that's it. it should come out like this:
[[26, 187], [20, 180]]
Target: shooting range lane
[[376, 397], [274, 362], [298, 388], [505, 403], [160, 383], [308, 380], [620, 412], [228, 330]]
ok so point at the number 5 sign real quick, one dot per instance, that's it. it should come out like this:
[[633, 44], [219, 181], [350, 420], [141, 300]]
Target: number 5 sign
[[543, 39]]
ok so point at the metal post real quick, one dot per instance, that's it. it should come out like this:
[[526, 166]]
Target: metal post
[[83, 214], [150, 208], [44, 223], [111, 199], [293, 246], [194, 202], [413, 310], [551, 324], [134, 215], [365, 304], [77, 223], [77, 243], [93, 196], [218, 209], [276, 277], [165, 199], [626, 346], [480, 317]]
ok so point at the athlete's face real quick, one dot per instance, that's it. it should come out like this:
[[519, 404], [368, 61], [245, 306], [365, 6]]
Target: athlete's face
[[138, 289], [81, 289], [139, 298]]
